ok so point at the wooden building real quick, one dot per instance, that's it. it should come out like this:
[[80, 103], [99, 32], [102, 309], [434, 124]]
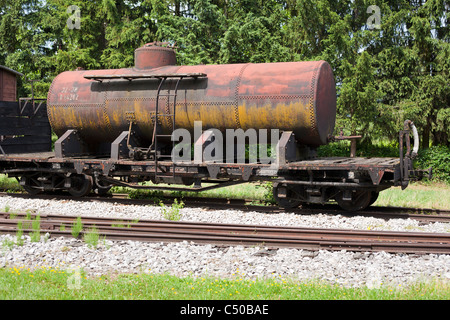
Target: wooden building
[[8, 84], [24, 125]]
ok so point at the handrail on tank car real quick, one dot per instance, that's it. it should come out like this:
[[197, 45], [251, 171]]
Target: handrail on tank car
[[406, 163]]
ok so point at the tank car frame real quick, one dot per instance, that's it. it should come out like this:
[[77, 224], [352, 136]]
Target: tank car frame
[[354, 183]]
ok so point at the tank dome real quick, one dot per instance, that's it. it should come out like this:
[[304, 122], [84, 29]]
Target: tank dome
[[152, 55]]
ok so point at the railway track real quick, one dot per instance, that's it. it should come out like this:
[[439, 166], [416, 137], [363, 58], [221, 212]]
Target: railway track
[[423, 215], [231, 234]]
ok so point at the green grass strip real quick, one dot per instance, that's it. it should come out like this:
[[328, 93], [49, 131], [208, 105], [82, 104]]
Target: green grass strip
[[49, 283]]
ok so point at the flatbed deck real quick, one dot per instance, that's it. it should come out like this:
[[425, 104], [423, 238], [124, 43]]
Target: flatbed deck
[[353, 182], [322, 163], [15, 163]]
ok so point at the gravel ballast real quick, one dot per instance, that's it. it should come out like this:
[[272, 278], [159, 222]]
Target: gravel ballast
[[187, 259]]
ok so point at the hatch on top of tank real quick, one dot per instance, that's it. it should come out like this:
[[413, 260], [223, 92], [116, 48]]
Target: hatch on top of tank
[[154, 55]]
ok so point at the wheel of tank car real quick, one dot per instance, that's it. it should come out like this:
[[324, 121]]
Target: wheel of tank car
[[360, 200], [27, 182], [373, 197], [31, 190], [81, 185], [286, 203]]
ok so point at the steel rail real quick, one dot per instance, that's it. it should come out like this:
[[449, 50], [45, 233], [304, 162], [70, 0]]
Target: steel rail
[[231, 234], [425, 215]]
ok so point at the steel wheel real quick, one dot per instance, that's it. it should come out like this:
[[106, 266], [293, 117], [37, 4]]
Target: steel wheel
[[32, 190], [27, 183], [360, 200], [286, 203], [373, 197], [81, 185]]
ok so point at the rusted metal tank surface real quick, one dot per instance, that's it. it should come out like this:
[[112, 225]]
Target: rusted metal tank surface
[[289, 96]]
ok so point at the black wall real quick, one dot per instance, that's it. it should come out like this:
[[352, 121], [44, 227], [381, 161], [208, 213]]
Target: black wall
[[24, 128]]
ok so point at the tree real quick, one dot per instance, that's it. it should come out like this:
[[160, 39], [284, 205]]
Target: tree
[[413, 68], [20, 41], [357, 101], [128, 25], [47, 40], [431, 99], [383, 76], [255, 33]]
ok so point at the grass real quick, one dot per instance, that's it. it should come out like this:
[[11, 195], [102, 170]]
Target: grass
[[35, 234], [19, 234], [417, 195], [172, 212], [77, 228], [9, 184], [49, 283], [252, 191], [91, 237]]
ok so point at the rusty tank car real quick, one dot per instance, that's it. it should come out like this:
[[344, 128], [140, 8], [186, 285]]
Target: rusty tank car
[[115, 128], [290, 96]]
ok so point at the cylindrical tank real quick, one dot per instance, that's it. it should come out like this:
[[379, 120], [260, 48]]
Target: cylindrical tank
[[289, 96]]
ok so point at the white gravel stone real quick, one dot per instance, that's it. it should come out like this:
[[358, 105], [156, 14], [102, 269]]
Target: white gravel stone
[[187, 259]]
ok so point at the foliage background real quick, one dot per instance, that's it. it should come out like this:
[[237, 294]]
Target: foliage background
[[384, 75]]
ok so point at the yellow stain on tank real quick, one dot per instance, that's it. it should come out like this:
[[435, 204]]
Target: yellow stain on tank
[[284, 116]]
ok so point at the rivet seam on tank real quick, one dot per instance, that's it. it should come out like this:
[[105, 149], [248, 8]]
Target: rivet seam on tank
[[236, 96], [79, 106], [105, 113], [274, 97], [152, 49], [311, 100], [50, 91], [170, 119]]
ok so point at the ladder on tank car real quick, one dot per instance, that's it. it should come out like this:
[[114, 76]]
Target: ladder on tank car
[[157, 135], [171, 120]]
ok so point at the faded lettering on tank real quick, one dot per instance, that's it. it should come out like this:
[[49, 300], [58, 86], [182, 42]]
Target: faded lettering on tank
[[68, 94]]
